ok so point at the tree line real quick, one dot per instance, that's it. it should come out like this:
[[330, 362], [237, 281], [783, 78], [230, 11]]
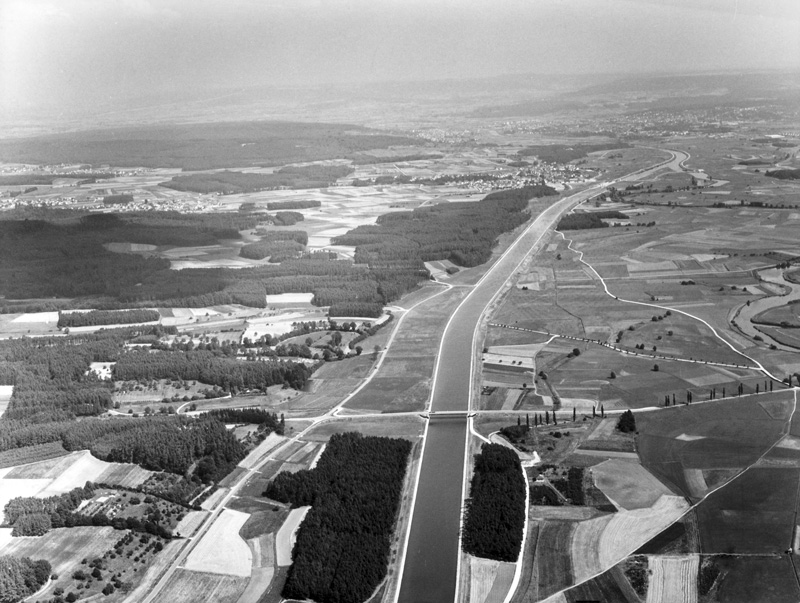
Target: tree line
[[106, 317], [342, 549], [584, 220], [495, 511]]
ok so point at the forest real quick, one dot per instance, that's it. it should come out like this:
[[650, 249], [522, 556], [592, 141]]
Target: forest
[[210, 368], [21, 577], [228, 182], [106, 317], [464, 233], [494, 516], [579, 221], [342, 547]]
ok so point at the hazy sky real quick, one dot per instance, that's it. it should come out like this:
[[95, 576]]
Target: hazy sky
[[78, 51]]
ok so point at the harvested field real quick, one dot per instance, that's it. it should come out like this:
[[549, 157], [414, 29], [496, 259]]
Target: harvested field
[[84, 467], [212, 501], [629, 530], [186, 586], [608, 586], [222, 550], [565, 513], [585, 547], [482, 573], [554, 565], [285, 539], [673, 579], [125, 475], [31, 454], [65, 547], [189, 524], [272, 441], [260, 579], [628, 484]]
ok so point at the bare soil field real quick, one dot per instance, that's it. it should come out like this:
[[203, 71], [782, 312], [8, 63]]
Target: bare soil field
[[286, 536]]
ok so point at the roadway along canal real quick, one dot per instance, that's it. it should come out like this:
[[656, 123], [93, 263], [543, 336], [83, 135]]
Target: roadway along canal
[[431, 560]]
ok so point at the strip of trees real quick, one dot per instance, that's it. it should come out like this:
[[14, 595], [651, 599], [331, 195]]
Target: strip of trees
[[495, 510], [342, 549], [106, 317], [580, 221]]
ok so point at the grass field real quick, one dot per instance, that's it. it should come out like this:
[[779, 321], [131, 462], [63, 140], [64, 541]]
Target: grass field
[[754, 514], [757, 580], [397, 427], [186, 586], [726, 434], [628, 484], [403, 382]]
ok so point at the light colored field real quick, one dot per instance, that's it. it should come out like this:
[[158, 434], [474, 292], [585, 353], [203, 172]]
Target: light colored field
[[628, 484], [482, 573], [186, 586], [222, 550], [604, 429], [629, 530], [290, 298], [585, 551], [695, 482], [260, 580], [213, 500], [46, 469], [65, 547], [85, 468], [189, 524], [556, 598], [689, 438], [124, 474], [673, 579], [272, 441], [489, 580], [37, 317], [263, 548], [11, 488], [790, 442], [567, 512], [6, 391], [285, 539], [5, 537]]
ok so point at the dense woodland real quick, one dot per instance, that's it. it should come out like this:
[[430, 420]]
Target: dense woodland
[[342, 548], [580, 221], [94, 318], [785, 174], [21, 577], [228, 182], [494, 518], [464, 233]]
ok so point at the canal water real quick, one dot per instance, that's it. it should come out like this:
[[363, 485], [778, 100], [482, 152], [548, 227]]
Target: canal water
[[429, 574]]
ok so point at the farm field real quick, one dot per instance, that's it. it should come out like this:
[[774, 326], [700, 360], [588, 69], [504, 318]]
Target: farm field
[[403, 427], [186, 586], [673, 579], [403, 381], [222, 550]]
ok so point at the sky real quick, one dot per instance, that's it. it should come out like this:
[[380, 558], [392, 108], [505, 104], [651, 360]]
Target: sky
[[77, 53]]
